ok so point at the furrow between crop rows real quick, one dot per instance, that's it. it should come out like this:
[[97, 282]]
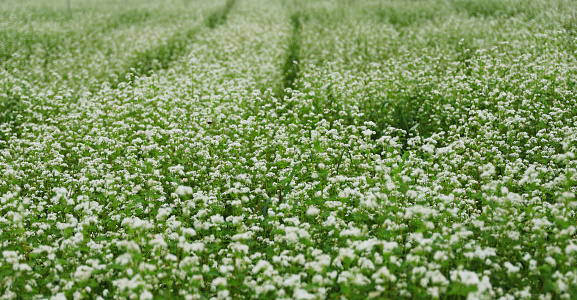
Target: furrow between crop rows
[[218, 17], [165, 53], [290, 67]]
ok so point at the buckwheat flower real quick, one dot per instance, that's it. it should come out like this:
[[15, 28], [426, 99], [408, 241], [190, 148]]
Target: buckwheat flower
[[217, 219], [369, 201], [351, 232], [433, 292], [83, 273], [314, 135], [137, 188], [365, 263], [176, 169], [60, 193], [511, 269], [312, 211], [238, 247], [128, 284], [428, 148], [526, 293], [59, 296], [424, 211], [11, 257], [465, 277], [318, 279], [124, 259], [218, 282], [163, 213], [302, 294], [345, 277], [77, 295], [146, 295], [243, 236], [320, 262], [344, 253], [141, 224], [188, 231], [488, 170], [22, 267], [292, 281], [550, 260], [483, 290], [127, 222], [183, 190], [481, 253], [158, 241], [570, 249], [368, 132], [291, 234], [223, 294], [201, 213], [261, 265]]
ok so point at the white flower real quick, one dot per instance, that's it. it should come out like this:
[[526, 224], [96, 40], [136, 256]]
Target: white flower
[[188, 231], [59, 296], [511, 269], [83, 273], [313, 211], [146, 295], [22, 267], [11, 257], [483, 287], [488, 170], [351, 232], [217, 219], [163, 212], [183, 190], [243, 236], [261, 265], [293, 280], [570, 249], [465, 277], [302, 294], [158, 241], [60, 193], [217, 282]]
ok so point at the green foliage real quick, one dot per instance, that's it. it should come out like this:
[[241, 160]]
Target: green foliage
[[218, 17], [500, 8], [10, 109], [290, 68], [158, 57], [124, 19], [404, 14], [307, 149]]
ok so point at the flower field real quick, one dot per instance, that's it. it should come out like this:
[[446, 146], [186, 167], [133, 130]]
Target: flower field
[[288, 149]]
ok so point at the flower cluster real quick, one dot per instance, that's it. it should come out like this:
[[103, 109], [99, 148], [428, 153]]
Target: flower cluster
[[428, 157]]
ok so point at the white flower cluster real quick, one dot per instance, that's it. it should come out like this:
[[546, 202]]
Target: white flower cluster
[[305, 150]]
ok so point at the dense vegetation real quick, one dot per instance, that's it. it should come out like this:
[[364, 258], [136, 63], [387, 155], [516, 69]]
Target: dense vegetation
[[189, 149]]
